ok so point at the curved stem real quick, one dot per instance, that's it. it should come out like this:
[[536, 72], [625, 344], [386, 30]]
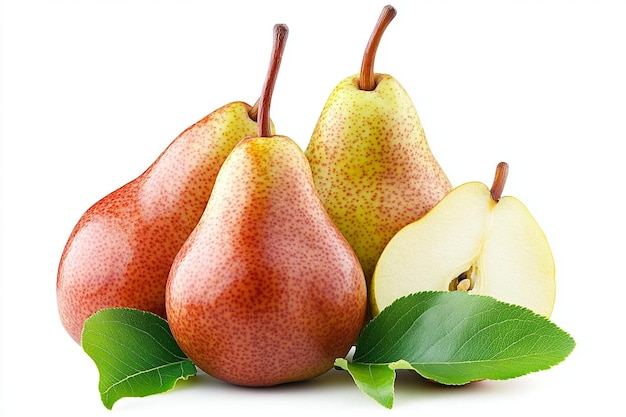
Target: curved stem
[[263, 120], [366, 79], [254, 111], [502, 170]]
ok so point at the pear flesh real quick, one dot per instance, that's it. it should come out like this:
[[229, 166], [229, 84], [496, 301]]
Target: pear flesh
[[266, 290], [372, 165], [120, 251], [470, 242]]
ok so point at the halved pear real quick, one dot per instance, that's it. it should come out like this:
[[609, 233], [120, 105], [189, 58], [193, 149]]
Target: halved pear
[[472, 240]]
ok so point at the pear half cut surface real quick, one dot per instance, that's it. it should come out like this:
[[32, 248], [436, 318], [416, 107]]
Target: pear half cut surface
[[469, 241]]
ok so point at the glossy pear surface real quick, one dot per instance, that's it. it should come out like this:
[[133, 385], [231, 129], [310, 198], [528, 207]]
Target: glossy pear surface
[[497, 245], [266, 290], [372, 165], [120, 252]]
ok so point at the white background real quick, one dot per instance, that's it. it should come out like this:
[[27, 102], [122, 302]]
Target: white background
[[93, 91]]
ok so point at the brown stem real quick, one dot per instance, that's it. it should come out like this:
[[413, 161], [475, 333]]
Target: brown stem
[[502, 170], [263, 120], [254, 111], [366, 80]]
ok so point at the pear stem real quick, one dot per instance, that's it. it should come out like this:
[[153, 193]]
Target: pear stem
[[254, 111], [366, 79], [502, 170], [263, 120]]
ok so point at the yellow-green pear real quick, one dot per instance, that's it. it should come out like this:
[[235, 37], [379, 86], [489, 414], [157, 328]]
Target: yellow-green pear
[[266, 290], [371, 163], [472, 240]]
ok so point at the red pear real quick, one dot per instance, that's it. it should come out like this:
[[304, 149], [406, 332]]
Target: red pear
[[266, 290], [120, 252]]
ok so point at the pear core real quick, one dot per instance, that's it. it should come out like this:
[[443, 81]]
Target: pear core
[[464, 282]]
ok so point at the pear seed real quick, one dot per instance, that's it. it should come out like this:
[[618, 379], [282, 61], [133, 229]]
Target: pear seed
[[463, 285]]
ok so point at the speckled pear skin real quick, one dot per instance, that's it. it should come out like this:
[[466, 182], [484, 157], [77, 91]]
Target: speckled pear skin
[[120, 252], [266, 290], [372, 166]]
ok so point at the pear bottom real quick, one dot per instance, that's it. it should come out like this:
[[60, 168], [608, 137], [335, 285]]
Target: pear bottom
[[265, 348]]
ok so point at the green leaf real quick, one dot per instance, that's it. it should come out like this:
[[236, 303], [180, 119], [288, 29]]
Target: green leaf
[[135, 353], [454, 338], [375, 380]]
